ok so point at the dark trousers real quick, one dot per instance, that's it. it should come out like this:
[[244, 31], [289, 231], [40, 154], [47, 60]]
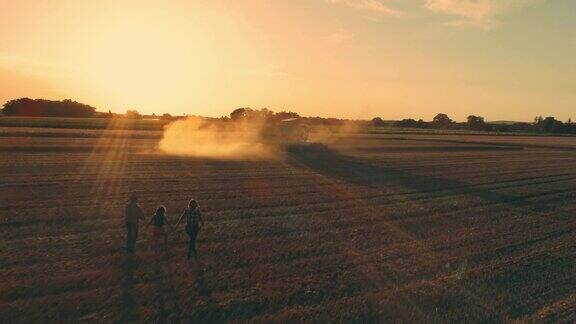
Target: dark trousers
[[131, 236], [192, 231]]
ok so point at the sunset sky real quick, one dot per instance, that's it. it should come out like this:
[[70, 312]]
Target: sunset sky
[[502, 59]]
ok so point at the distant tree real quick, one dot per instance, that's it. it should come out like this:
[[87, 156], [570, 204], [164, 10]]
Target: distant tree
[[47, 108], [263, 114], [570, 127], [256, 115], [538, 120], [476, 122], [283, 115], [408, 123], [550, 125], [378, 122], [166, 116], [239, 113], [133, 114], [442, 121]]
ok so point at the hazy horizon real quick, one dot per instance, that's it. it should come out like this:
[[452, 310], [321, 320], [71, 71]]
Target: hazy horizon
[[356, 59]]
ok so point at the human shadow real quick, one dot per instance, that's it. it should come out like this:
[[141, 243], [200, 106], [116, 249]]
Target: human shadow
[[201, 283], [128, 302], [167, 296], [210, 312], [333, 164]]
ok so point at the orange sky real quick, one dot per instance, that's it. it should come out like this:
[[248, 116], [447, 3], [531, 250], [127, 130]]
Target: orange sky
[[505, 60]]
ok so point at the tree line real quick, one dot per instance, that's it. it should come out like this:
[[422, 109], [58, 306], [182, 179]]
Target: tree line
[[267, 115], [47, 108], [26, 107], [477, 123], [70, 108]]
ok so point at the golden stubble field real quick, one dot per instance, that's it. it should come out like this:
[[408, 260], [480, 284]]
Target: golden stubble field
[[412, 228]]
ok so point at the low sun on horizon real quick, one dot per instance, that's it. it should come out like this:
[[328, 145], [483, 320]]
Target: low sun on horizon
[[504, 60]]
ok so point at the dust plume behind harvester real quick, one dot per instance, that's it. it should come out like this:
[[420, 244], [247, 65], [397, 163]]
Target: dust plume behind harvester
[[239, 139]]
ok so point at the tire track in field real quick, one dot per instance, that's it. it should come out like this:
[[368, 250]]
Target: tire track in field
[[354, 167]]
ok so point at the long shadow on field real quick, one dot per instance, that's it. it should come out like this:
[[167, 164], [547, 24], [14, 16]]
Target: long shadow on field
[[166, 292], [338, 166], [128, 303], [211, 312], [518, 284]]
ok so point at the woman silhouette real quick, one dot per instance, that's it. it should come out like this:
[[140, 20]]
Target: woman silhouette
[[193, 220]]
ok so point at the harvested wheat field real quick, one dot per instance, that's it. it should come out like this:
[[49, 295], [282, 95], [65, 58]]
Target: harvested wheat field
[[375, 227]]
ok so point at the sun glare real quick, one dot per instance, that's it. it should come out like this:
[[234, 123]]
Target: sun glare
[[139, 63]]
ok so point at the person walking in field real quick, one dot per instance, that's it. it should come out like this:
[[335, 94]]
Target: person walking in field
[[133, 214], [193, 220], [158, 221]]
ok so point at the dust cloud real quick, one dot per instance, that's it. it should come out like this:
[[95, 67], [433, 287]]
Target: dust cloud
[[327, 135], [244, 139], [218, 140]]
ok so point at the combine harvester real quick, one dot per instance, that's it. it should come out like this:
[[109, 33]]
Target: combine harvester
[[290, 135]]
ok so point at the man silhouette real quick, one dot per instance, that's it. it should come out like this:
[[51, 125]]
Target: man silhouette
[[133, 215]]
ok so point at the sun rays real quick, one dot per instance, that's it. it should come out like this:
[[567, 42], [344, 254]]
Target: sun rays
[[107, 164]]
